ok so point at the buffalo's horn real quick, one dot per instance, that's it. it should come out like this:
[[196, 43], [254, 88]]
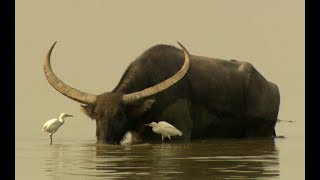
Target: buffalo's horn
[[63, 88], [132, 97]]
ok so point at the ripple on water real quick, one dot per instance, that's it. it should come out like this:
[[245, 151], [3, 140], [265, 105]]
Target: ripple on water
[[218, 159]]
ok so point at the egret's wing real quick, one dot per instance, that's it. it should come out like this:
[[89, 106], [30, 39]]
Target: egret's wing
[[165, 124], [170, 128], [52, 124], [46, 124], [174, 131]]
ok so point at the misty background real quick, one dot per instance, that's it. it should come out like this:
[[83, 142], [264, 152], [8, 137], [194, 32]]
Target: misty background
[[97, 40]]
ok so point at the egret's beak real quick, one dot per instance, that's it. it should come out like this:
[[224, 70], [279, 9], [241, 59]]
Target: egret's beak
[[68, 115], [146, 124]]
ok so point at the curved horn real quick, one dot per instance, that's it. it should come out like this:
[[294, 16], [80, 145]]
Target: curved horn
[[63, 88], [128, 98]]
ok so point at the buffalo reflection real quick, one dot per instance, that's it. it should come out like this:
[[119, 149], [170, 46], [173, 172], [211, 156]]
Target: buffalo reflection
[[232, 158]]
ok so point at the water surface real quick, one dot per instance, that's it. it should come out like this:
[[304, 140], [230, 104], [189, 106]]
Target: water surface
[[258, 158]]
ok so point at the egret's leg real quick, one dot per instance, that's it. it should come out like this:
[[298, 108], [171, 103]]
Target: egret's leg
[[169, 138], [162, 138], [51, 138]]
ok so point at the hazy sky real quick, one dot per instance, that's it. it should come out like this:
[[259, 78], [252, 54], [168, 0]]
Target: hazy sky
[[98, 39]]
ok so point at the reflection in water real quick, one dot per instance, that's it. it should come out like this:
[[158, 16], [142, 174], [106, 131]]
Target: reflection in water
[[218, 159]]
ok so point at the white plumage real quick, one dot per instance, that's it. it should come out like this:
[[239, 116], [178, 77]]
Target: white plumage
[[52, 125], [165, 129]]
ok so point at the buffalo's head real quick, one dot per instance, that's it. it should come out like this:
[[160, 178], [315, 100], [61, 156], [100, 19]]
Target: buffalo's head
[[114, 117], [114, 112]]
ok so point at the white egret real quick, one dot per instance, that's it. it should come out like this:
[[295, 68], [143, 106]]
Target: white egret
[[165, 129], [52, 125]]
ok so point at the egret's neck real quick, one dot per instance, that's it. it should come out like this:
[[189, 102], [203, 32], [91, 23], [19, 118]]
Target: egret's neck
[[61, 118]]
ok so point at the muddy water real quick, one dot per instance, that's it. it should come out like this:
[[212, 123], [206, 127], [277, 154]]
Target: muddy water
[[68, 158]]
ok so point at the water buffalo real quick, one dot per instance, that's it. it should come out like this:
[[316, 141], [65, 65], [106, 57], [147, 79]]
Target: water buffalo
[[203, 97]]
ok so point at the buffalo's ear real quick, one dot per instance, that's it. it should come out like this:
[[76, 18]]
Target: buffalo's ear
[[89, 111], [142, 107]]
